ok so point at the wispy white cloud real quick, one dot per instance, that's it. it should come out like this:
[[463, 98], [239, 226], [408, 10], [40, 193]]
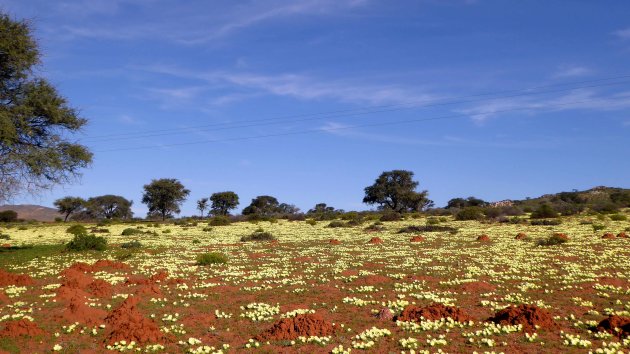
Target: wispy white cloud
[[348, 131], [623, 33], [567, 71], [579, 99]]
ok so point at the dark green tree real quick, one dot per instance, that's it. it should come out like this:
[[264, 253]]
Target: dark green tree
[[396, 190], [463, 203], [223, 202], [202, 205], [35, 120], [164, 196], [69, 205], [544, 211], [109, 207], [263, 205]]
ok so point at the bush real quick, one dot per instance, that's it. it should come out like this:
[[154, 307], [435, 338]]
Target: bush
[[97, 230], [552, 240], [376, 227], [545, 222], [77, 230], [8, 216], [131, 244], [211, 258], [83, 242], [598, 227], [206, 229], [337, 223], [259, 235], [544, 211], [391, 217], [130, 232], [618, 217], [220, 221], [428, 228], [433, 221], [469, 213], [311, 222], [4, 237], [58, 219], [167, 231]]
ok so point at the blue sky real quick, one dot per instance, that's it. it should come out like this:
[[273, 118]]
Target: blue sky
[[530, 97]]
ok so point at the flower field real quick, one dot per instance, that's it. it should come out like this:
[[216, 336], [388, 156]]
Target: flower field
[[304, 293]]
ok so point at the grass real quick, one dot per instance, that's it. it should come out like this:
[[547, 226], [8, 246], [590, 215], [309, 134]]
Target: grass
[[17, 255]]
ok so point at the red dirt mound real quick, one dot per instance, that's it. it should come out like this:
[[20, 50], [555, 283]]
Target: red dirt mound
[[149, 289], [7, 278], [301, 325], [521, 236], [334, 241], [3, 298], [483, 238], [100, 288], [21, 327], [609, 324], [529, 316], [105, 263], [375, 241], [76, 279], [432, 312], [385, 314], [622, 235], [127, 323], [77, 311], [608, 236], [81, 267], [417, 239]]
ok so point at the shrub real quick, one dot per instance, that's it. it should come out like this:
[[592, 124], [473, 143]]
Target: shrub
[[206, 229], [552, 240], [259, 235], [351, 215], [131, 244], [167, 231], [97, 230], [337, 223], [58, 219], [545, 222], [598, 227], [77, 230], [8, 216], [433, 221], [618, 217], [311, 222], [428, 228], [544, 211], [211, 258], [83, 242], [469, 213], [391, 217], [4, 237], [376, 227], [130, 232], [196, 242], [219, 221]]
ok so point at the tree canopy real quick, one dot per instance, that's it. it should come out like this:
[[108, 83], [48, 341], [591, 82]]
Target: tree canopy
[[69, 205], [223, 202], [109, 207], [396, 190], [164, 196], [35, 120], [263, 205]]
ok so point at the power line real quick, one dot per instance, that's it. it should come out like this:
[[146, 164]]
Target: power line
[[356, 111], [317, 130]]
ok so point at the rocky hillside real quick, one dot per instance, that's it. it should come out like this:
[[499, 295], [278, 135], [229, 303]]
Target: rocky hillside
[[32, 212]]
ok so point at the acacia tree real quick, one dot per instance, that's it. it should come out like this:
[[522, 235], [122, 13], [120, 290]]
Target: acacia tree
[[223, 202], [109, 207], [396, 190], [202, 205], [35, 120], [164, 197], [263, 205], [69, 205]]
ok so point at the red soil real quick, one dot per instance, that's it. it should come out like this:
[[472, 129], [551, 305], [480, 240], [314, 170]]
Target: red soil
[[608, 236], [375, 240], [529, 316], [127, 323], [7, 278], [562, 236], [105, 263], [432, 312], [417, 239], [21, 327], [521, 236], [149, 289], [478, 287], [77, 311], [100, 288], [301, 325], [3, 298], [76, 279], [385, 314], [372, 280], [6, 245], [609, 324], [483, 238], [334, 241], [622, 235]]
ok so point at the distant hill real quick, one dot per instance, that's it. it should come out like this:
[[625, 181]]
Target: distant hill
[[602, 199], [32, 212]]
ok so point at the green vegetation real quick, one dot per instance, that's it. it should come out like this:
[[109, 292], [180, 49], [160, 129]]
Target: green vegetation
[[211, 258], [555, 239], [220, 221], [82, 242], [259, 235], [131, 231]]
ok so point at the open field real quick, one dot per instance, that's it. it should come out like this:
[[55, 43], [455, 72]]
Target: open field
[[159, 298]]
